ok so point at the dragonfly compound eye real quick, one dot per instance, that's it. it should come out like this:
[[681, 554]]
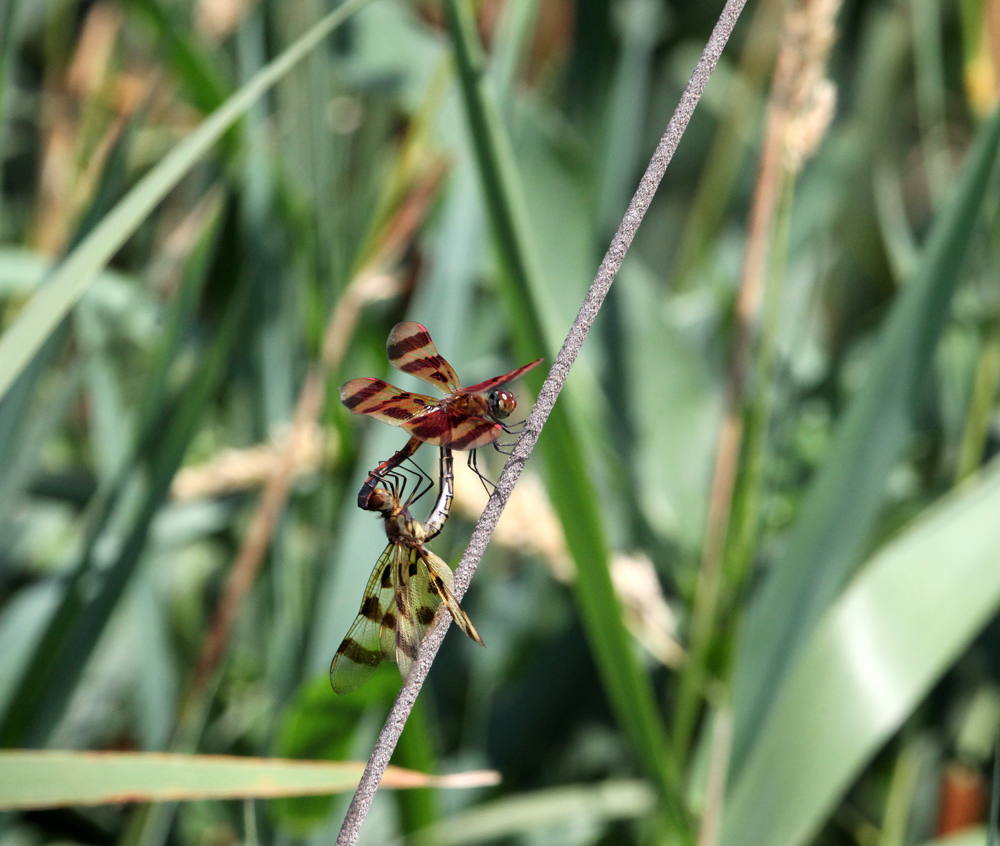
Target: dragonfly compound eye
[[379, 500], [502, 403]]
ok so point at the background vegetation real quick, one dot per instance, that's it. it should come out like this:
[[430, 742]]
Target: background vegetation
[[776, 449]]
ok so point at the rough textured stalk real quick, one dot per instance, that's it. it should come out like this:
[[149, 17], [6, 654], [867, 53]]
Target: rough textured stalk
[[539, 414]]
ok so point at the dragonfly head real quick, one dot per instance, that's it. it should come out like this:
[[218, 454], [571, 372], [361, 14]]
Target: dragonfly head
[[380, 500], [502, 404]]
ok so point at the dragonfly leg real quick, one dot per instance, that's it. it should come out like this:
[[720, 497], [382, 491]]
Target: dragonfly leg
[[487, 484], [513, 428], [423, 478]]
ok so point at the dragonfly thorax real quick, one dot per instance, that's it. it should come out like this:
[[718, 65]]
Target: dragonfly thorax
[[402, 529]]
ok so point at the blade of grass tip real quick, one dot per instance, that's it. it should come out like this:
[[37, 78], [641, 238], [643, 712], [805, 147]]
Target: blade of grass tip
[[58, 778], [844, 501], [69, 281], [540, 413]]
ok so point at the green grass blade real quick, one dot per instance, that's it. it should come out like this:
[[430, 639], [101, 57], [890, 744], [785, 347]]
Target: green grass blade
[[52, 779], [844, 501], [44, 311], [61, 655], [898, 627], [547, 809], [24, 710], [203, 80], [975, 836], [8, 16], [626, 684]]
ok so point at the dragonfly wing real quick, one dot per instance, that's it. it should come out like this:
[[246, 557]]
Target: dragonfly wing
[[383, 401], [446, 427], [497, 381], [442, 582], [371, 637], [413, 615], [411, 350]]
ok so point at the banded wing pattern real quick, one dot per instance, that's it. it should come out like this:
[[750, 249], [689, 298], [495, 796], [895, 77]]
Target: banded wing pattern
[[442, 584], [403, 594], [372, 636], [383, 401], [428, 583], [450, 427], [462, 419], [423, 417], [411, 350], [405, 590]]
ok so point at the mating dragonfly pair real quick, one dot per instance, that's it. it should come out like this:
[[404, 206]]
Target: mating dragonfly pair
[[409, 582]]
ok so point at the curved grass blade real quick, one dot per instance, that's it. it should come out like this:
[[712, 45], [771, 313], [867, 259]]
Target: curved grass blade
[[68, 283], [76, 627], [71, 634], [898, 627], [843, 503]]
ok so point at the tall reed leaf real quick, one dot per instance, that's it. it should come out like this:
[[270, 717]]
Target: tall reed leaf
[[844, 501], [871, 659], [52, 779]]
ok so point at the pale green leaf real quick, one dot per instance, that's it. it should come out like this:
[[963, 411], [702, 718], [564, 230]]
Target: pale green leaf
[[897, 628], [48, 779]]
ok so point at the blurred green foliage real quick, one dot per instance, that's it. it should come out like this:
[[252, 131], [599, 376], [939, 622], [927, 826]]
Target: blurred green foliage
[[208, 205]]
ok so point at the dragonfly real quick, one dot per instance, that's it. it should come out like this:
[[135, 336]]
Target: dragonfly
[[465, 419], [406, 588]]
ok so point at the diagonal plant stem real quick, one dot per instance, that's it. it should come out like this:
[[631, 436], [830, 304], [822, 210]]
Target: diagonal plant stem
[[553, 385]]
